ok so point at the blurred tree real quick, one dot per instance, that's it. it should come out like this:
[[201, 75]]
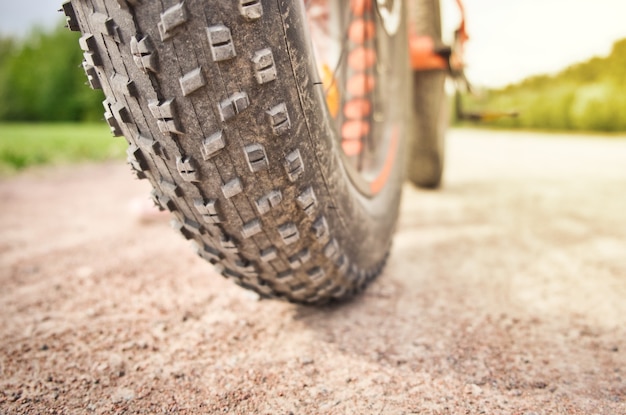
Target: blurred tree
[[41, 79], [617, 63], [586, 96], [7, 46]]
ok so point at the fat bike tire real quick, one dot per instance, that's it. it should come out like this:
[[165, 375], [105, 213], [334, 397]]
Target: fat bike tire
[[425, 165], [224, 113]]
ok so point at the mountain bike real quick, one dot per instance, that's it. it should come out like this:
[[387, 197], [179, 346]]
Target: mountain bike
[[275, 131]]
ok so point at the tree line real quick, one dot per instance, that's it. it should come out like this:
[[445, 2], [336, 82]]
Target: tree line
[[41, 79], [588, 96]]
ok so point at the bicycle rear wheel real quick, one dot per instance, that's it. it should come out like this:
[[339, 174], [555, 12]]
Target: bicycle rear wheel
[[227, 114], [430, 105]]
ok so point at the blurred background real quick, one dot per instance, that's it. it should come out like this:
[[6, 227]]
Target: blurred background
[[560, 63]]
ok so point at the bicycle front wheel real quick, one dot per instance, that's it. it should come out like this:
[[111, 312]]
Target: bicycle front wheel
[[282, 162]]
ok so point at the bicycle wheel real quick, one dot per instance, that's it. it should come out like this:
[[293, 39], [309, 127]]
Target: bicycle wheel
[[431, 107], [281, 162]]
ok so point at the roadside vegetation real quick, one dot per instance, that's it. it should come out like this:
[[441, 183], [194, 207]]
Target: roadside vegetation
[[41, 79], [589, 96], [47, 113], [23, 145]]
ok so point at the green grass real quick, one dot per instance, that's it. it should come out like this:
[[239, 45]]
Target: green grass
[[26, 145]]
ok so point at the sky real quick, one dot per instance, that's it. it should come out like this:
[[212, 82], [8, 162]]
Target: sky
[[513, 39], [509, 39]]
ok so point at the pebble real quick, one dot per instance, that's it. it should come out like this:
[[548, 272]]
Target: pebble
[[473, 389], [306, 360], [123, 395]]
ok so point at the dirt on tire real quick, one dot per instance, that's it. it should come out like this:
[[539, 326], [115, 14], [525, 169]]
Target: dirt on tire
[[504, 294]]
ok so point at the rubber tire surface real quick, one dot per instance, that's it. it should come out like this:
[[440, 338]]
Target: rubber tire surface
[[431, 107], [225, 116]]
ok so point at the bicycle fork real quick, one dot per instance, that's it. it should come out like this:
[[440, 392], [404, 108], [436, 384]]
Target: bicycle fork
[[428, 54]]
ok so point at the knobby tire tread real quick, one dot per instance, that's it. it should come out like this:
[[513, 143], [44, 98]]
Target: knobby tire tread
[[208, 106]]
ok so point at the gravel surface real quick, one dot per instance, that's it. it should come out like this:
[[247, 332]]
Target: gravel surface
[[505, 294]]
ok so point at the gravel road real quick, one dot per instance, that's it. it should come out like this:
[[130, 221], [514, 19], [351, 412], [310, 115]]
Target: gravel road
[[505, 294]]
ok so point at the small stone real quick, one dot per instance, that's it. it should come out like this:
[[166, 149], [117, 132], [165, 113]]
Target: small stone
[[123, 395], [251, 296], [306, 360], [117, 365], [177, 373], [102, 367], [84, 272], [473, 389]]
